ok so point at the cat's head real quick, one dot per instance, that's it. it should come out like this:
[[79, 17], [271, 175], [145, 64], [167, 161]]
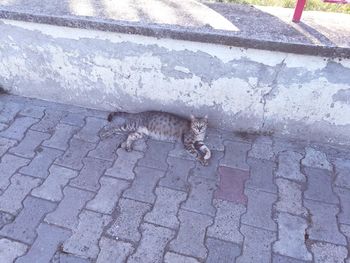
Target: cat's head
[[199, 125]]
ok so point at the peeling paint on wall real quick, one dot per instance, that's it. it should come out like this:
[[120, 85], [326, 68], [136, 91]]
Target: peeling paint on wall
[[241, 89]]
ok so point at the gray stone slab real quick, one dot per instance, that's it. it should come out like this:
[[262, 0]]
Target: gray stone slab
[[11, 200], [261, 175], [49, 121], [328, 253], [107, 148], [91, 173], [164, 212], [344, 195], [200, 197], [177, 174], [316, 159], [221, 252], [5, 219], [66, 214], [123, 167], [33, 111], [342, 170], [156, 155], [262, 149], [9, 164], [51, 188], [190, 238], [10, 250], [6, 144], [24, 227], [9, 111], [90, 132], [113, 251], [289, 166], [18, 128], [142, 188], [39, 166], [73, 119], [108, 195], [48, 241], [152, 245], [171, 257], [84, 240], [62, 134], [282, 259], [257, 245], [324, 223], [259, 210], [126, 225], [227, 222], [236, 155]]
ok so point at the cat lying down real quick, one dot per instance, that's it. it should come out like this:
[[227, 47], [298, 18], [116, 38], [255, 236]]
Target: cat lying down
[[163, 126]]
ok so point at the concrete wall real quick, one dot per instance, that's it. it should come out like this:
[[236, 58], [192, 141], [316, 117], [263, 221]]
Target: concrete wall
[[240, 89]]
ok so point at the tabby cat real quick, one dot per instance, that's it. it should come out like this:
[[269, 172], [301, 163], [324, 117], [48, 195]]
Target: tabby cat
[[164, 126]]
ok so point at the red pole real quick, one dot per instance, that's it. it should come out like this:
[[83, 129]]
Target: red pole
[[298, 10]]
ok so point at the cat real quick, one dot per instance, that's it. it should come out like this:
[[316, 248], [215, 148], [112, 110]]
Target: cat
[[164, 126]]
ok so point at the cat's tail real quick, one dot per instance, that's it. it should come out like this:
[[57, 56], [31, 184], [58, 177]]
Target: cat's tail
[[118, 114]]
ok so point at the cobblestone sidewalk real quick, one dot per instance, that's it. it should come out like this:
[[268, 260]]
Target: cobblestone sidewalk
[[67, 196]]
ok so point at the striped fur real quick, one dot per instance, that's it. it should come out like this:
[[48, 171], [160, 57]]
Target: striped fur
[[163, 126]]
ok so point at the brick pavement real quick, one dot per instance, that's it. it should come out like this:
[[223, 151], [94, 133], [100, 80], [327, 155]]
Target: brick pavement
[[68, 196]]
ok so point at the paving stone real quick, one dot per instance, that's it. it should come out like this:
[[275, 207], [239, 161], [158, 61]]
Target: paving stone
[[290, 198], [45, 245], [39, 166], [6, 144], [289, 166], [200, 196], [208, 171], [67, 258], [227, 221], [214, 140], [180, 152], [26, 148], [11, 199], [221, 252], [328, 253], [5, 218], [84, 241], [344, 195], [24, 227], [128, 220], [262, 149], [236, 155], [9, 111], [152, 245], [319, 186], [66, 214], [345, 229], [124, 165], [166, 207], [316, 159], [89, 176], [324, 224], [261, 175], [9, 164], [140, 145], [3, 126], [231, 185], [10, 250], [283, 259], [342, 170], [190, 238], [74, 119], [52, 187], [257, 245], [107, 197], [59, 140], [291, 242], [106, 149], [49, 121], [73, 157], [32, 111], [259, 210], [18, 128], [113, 251], [177, 174], [283, 145], [90, 132], [143, 185], [176, 258], [156, 155]]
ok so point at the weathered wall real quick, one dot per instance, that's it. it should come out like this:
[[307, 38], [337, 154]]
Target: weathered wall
[[240, 89]]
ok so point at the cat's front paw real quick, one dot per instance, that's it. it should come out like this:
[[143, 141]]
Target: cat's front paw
[[204, 162], [125, 146]]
